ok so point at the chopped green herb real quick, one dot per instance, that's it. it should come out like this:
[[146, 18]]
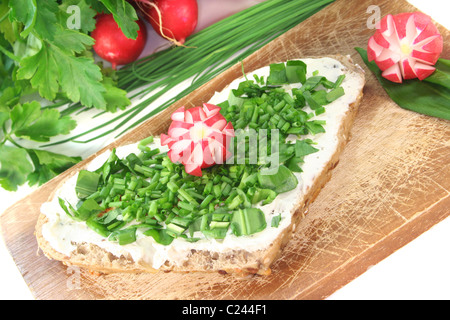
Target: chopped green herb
[[124, 236], [276, 221], [161, 236], [87, 183], [335, 94], [296, 71], [146, 190], [277, 74], [303, 148], [282, 181], [248, 221]]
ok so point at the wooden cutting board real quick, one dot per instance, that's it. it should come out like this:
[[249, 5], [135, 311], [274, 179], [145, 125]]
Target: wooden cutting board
[[390, 186]]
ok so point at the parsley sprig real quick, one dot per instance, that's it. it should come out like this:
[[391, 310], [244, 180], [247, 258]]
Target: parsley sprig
[[42, 58]]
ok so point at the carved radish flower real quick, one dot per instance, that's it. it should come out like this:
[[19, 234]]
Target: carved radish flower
[[198, 138], [405, 46]]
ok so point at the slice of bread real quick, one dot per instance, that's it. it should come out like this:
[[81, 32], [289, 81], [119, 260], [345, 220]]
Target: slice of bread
[[239, 260]]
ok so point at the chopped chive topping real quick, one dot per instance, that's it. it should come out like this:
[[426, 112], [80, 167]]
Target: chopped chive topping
[[87, 183], [145, 191], [276, 221]]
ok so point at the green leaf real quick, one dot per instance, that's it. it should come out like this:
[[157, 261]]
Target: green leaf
[[88, 208], [296, 71], [28, 48], [315, 126], [215, 233], [303, 148], [9, 97], [70, 211], [282, 181], [4, 116], [15, 166], [312, 82], [48, 165], [293, 164], [424, 97], [46, 22], [276, 221], [36, 15], [125, 16], [30, 123], [240, 91], [42, 71], [24, 11], [320, 96], [72, 41], [100, 228], [442, 74], [115, 97], [313, 103], [267, 195], [160, 236], [97, 6], [87, 14], [6, 26], [23, 115], [124, 236], [277, 74], [53, 68], [248, 221], [87, 211], [335, 94], [87, 183], [80, 79]]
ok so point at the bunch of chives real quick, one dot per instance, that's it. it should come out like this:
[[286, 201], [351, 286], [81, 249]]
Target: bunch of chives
[[205, 55]]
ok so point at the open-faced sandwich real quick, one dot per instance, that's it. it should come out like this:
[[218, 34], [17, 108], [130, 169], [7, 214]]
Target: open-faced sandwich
[[223, 189]]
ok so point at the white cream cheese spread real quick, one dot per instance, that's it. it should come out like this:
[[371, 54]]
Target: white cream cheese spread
[[64, 233]]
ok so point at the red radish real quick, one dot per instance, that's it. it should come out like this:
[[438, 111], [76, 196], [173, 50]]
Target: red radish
[[112, 45], [174, 20], [198, 138], [405, 46]]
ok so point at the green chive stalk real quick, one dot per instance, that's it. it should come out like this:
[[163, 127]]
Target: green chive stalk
[[205, 55]]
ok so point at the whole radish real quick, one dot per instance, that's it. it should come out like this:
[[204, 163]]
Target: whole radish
[[174, 20], [112, 45]]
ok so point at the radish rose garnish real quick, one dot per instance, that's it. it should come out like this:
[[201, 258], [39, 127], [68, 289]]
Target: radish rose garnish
[[405, 46], [198, 138]]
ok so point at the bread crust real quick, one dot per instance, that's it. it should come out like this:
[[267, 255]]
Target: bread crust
[[237, 262]]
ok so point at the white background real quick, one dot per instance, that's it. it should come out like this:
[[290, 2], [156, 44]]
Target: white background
[[419, 270]]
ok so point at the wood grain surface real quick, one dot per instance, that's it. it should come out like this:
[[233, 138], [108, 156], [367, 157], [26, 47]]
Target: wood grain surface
[[392, 183]]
